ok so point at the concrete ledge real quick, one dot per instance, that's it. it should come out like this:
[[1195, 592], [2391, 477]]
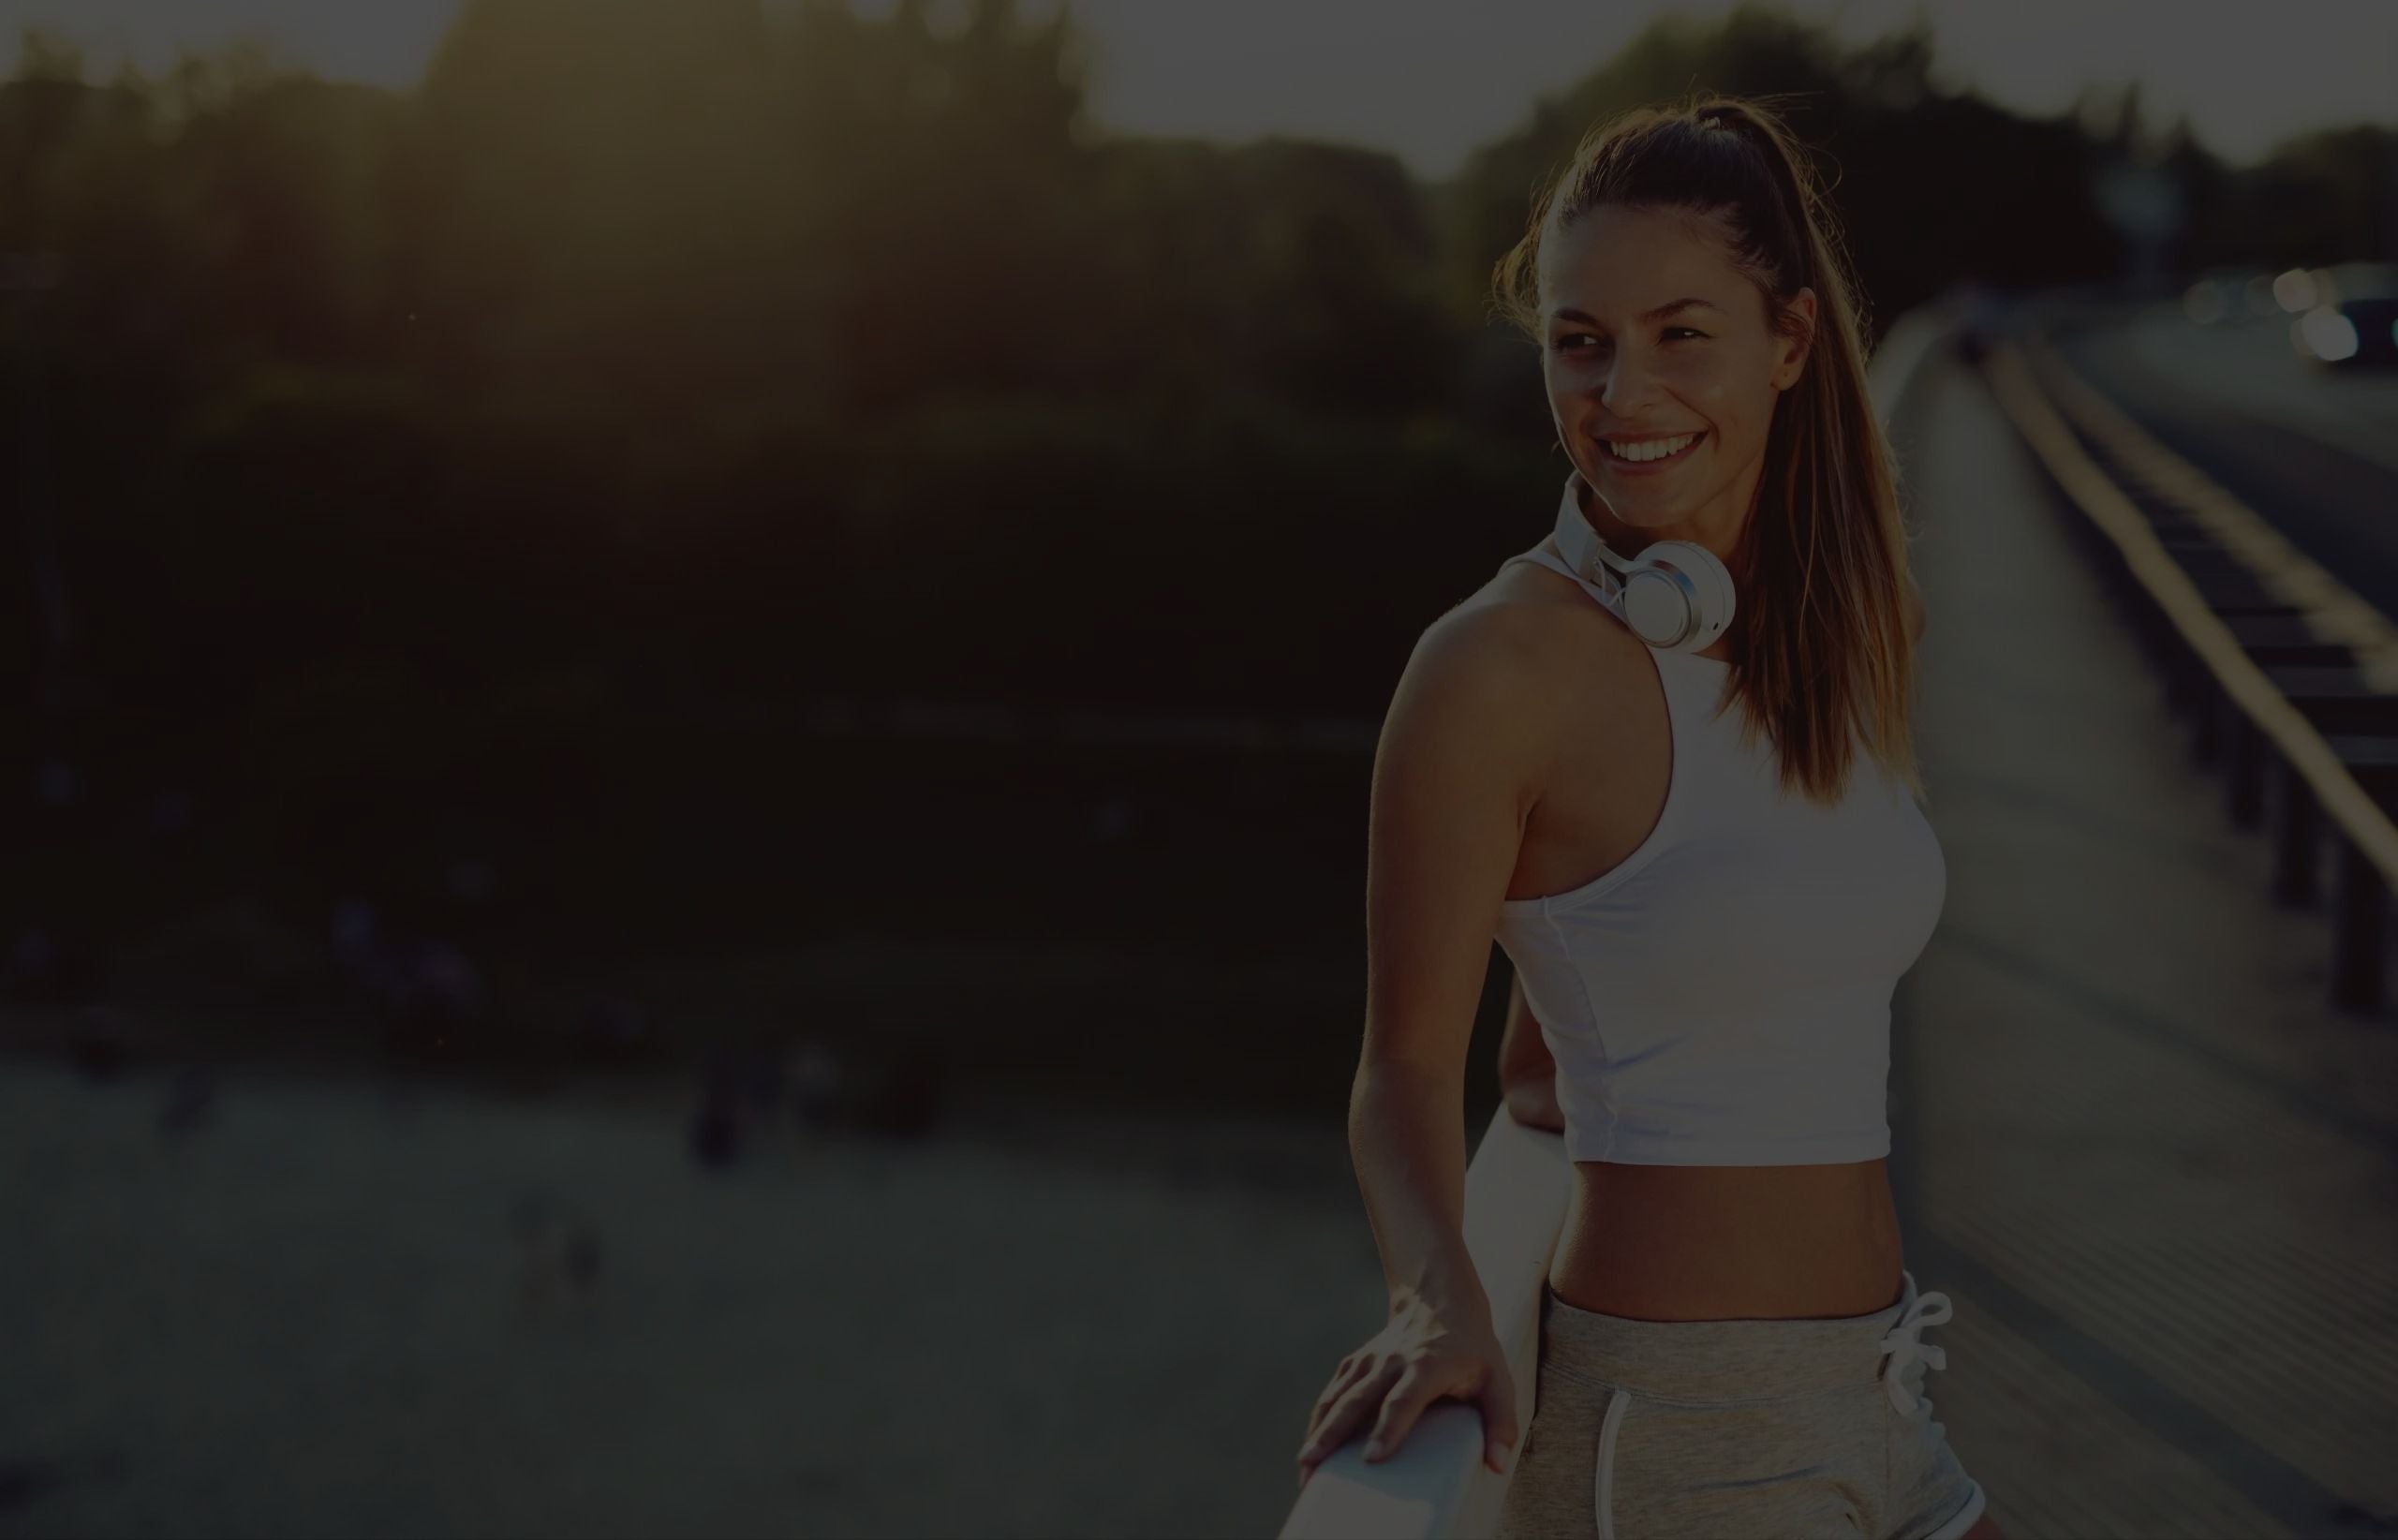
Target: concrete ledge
[[1435, 1484]]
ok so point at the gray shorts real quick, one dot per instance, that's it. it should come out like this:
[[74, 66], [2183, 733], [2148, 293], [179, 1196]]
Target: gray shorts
[[1721, 1429]]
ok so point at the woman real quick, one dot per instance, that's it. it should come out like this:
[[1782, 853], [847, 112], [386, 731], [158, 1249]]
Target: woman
[[1686, 803]]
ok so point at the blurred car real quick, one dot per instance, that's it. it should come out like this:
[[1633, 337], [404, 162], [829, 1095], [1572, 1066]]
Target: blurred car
[[2359, 334], [2350, 316]]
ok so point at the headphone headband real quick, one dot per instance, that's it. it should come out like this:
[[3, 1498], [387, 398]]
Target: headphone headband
[[1581, 546]]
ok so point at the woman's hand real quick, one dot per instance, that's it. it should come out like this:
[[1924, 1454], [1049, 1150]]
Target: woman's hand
[[1418, 1357]]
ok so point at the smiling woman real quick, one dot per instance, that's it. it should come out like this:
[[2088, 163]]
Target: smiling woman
[[1678, 297], [1664, 758], [1678, 404]]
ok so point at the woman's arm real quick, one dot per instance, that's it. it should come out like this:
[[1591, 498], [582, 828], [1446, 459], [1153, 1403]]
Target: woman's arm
[[1459, 762], [1464, 749]]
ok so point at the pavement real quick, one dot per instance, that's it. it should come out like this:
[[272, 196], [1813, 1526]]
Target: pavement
[[2154, 1169], [345, 1308]]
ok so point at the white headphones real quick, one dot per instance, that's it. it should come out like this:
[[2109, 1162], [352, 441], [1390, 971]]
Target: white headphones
[[1676, 594]]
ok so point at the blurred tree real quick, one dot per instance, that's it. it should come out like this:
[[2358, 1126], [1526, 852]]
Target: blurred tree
[[644, 351], [1298, 270], [2326, 197], [962, 248], [575, 180], [656, 204], [279, 186], [1342, 311]]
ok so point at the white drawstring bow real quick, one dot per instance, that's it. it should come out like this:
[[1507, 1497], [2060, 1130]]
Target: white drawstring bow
[[1905, 1347]]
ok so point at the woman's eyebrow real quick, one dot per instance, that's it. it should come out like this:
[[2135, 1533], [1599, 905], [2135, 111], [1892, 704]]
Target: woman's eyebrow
[[1669, 308]]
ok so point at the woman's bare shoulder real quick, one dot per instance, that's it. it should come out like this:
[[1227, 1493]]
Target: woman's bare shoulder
[[1477, 678], [1538, 619], [1510, 671]]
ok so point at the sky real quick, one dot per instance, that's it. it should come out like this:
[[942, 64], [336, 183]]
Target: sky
[[1429, 81]]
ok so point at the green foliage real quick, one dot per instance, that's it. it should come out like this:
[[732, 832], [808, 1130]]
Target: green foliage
[[1231, 557], [2328, 196], [763, 353]]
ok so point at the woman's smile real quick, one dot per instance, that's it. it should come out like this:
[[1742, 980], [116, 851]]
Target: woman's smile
[[1651, 464]]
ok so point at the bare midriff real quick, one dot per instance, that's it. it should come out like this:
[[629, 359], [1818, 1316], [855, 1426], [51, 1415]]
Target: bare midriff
[[1725, 1243]]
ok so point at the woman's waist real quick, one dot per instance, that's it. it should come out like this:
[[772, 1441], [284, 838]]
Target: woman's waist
[[1707, 1243]]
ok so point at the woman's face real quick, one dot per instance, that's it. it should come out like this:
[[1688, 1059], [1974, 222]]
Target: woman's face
[[1626, 355]]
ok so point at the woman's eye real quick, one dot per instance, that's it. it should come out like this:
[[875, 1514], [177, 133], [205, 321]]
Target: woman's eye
[[1565, 342]]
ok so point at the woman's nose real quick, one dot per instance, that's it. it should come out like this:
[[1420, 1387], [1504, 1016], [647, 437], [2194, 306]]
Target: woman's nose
[[1628, 383]]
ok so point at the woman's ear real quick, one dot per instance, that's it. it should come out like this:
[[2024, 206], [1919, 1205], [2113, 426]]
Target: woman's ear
[[1791, 364]]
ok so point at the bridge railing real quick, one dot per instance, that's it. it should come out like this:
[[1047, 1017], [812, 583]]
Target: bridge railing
[[2289, 680]]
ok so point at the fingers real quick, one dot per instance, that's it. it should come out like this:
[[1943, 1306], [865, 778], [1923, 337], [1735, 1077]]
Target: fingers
[[1347, 1413], [1402, 1392], [1406, 1402], [1351, 1370]]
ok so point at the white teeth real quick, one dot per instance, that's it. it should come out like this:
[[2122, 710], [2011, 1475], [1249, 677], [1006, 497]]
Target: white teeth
[[1655, 450]]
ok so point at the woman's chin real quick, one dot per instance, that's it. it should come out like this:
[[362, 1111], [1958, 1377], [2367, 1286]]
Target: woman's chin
[[1635, 509]]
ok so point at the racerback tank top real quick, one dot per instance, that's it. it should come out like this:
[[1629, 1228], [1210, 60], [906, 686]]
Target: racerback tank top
[[1722, 997]]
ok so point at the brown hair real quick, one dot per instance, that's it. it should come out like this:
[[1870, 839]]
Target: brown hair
[[1822, 652]]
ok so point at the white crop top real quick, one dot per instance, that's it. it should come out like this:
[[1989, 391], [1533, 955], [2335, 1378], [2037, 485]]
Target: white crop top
[[1722, 997]]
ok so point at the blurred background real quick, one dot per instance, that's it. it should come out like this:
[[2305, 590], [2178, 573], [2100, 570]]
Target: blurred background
[[694, 685]]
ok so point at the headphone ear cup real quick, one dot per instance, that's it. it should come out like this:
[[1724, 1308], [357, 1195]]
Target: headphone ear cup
[[1652, 603], [1725, 601], [1708, 578]]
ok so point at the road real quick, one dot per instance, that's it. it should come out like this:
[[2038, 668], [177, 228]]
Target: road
[[2314, 453]]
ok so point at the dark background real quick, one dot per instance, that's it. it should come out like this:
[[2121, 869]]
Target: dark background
[[700, 527]]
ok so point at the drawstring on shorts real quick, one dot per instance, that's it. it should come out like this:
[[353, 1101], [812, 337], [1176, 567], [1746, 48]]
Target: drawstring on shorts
[[1905, 1347]]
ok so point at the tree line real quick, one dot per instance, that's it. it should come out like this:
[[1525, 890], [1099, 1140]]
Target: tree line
[[642, 353]]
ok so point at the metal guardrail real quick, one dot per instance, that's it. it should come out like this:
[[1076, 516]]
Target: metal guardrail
[[2290, 679], [1435, 1486]]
